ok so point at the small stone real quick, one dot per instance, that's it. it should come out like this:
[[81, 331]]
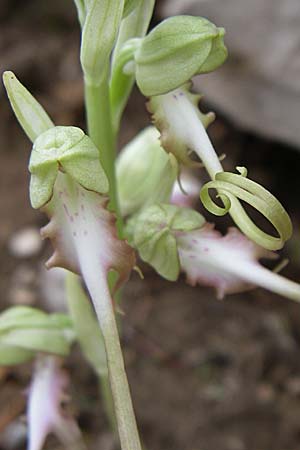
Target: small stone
[[106, 441], [25, 243], [265, 393], [14, 435], [23, 286], [21, 296], [293, 385]]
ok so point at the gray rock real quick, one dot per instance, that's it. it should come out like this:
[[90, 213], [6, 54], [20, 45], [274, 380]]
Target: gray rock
[[259, 85]]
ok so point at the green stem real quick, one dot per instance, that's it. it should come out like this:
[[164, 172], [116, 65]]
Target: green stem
[[90, 339], [100, 130], [108, 402], [128, 432]]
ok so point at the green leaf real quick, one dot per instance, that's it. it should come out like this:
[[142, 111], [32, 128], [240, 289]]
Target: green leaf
[[25, 331], [11, 355], [38, 340]]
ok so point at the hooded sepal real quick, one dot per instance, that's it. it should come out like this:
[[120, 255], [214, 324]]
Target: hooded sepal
[[69, 150], [154, 235], [176, 50]]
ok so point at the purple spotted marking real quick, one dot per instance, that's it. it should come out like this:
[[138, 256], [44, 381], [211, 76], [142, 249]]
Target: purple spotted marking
[[66, 209]]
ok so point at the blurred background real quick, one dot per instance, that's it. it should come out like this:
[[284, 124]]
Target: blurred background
[[204, 374]]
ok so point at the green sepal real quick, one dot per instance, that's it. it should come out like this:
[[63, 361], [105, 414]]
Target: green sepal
[[24, 331], [67, 149], [176, 50], [145, 173], [31, 115], [154, 235]]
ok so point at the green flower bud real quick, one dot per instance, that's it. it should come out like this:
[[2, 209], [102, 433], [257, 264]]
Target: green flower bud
[[32, 117], [25, 331], [99, 33], [67, 149], [154, 236], [145, 173], [176, 50]]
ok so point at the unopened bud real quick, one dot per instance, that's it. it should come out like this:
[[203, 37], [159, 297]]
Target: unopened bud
[[176, 50]]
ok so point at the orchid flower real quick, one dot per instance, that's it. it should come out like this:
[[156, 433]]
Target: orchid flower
[[70, 185], [182, 128], [88, 197], [45, 414], [174, 239], [25, 334]]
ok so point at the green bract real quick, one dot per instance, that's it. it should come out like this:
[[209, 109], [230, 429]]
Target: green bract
[[129, 6], [67, 149], [32, 117], [133, 26], [99, 33], [154, 235], [141, 167], [176, 50], [25, 331]]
